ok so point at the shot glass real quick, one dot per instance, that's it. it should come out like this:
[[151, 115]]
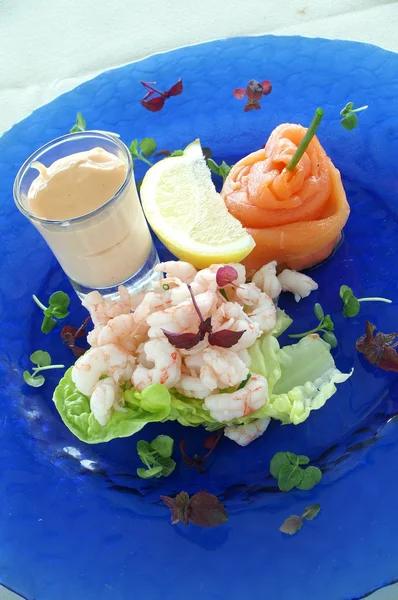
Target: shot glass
[[104, 248]]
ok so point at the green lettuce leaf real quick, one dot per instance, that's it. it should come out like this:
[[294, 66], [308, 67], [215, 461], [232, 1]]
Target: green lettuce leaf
[[283, 321], [153, 404], [307, 381], [265, 359]]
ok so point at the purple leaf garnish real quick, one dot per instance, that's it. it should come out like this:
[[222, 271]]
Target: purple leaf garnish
[[184, 341], [197, 461], [178, 507], [254, 92], [202, 509], [206, 510], [226, 275], [225, 338], [204, 327], [154, 104], [379, 349]]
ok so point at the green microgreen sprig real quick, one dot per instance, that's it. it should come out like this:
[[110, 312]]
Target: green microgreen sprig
[[325, 326], [57, 309], [43, 362], [352, 304], [156, 456]]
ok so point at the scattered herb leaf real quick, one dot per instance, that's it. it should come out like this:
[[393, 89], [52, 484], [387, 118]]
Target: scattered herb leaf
[[147, 146], [70, 334], [43, 361], [156, 456], [352, 304], [379, 349], [291, 525], [80, 124], [286, 468], [155, 103], [310, 512], [325, 326], [311, 476], [222, 170], [57, 309], [198, 462], [139, 152], [202, 509], [294, 523], [254, 92], [350, 119]]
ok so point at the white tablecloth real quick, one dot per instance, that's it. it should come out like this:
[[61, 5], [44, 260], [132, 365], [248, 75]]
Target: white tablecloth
[[49, 46]]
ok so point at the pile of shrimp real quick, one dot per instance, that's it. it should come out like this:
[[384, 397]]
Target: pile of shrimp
[[128, 344]]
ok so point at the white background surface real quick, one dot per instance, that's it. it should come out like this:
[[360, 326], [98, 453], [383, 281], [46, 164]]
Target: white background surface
[[49, 46]]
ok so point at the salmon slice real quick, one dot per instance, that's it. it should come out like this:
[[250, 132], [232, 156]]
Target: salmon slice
[[295, 217]]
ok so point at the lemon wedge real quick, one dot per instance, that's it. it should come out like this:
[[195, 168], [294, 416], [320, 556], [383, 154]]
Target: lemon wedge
[[188, 215]]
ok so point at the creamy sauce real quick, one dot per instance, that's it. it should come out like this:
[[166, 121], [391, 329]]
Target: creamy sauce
[[101, 250], [76, 184]]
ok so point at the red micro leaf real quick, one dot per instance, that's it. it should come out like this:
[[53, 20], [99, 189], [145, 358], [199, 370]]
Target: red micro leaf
[[191, 462], [267, 87], [226, 275], [184, 341], [202, 509], [204, 327], [178, 507], [225, 338], [163, 153], [239, 93], [69, 332], [379, 349], [254, 91], [207, 153], [206, 510], [211, 441], [154, 104], [251, 106], [175, 89]]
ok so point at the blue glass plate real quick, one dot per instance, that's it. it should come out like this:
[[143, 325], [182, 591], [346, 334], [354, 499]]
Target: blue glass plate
[[76, 522]]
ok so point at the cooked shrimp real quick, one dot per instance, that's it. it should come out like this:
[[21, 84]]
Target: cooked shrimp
[[120, 330], [264, 311], [182, 317], [105, 397], [166, 369], [192, 387], [225, 407], [102, 309], [173, 289], [206, 278], [222, 368], [267, 281], [151, 303], [244, 434], [298, 283], [105, 360], [177, 268]]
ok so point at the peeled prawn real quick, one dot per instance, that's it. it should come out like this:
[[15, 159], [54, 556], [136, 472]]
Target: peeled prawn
[[102, 309], [121, 331], [192, 387], [244, 434], [177, 268], [166, 361], [182, 317], [105, 397], [298, 283], [267, 281], [263, 309], [222, 368], [225, 407], [108, 360]]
